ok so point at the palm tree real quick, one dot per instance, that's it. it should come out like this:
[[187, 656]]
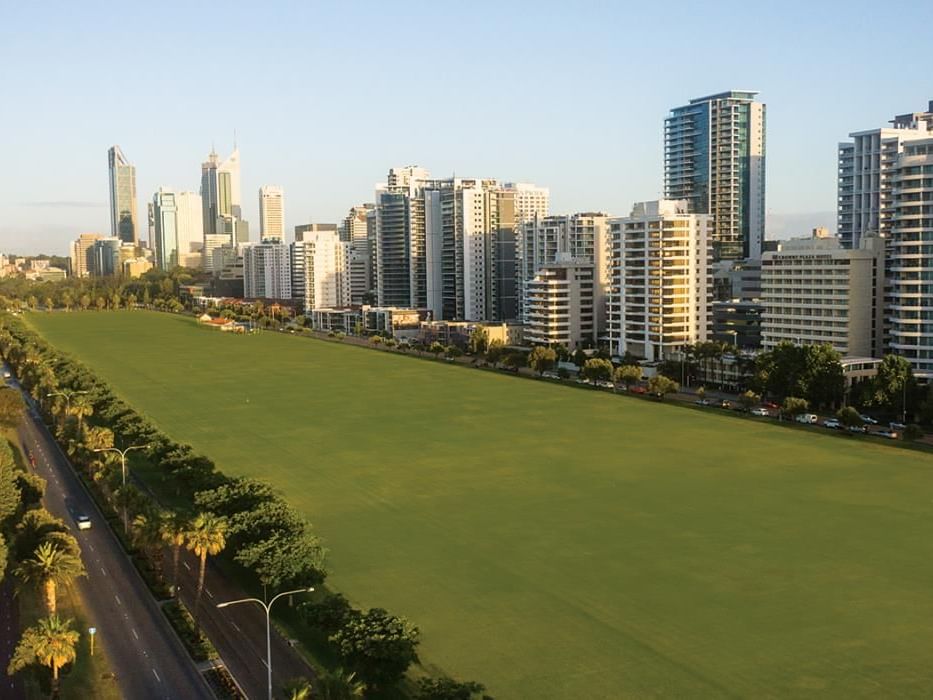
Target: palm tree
[[81, 408], [298, 689], [206, 536], [50, 566], [174, 531], [339, 685], [147, 534], [51, 643]]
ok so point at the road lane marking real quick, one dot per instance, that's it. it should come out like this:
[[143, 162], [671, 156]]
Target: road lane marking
[[156, 675], [134, 634], [103, 571], [119, 602], [208, 591], [186, 565], [236, 627]]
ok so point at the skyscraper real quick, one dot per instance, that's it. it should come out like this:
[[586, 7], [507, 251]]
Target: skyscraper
[[714, 158], [178, 227], [866, 169], [220, 195], [122, 197], [267, 271], [271, 214], [81, 258]]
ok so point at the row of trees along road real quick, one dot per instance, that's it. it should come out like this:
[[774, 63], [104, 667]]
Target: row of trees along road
[[42, 555], [241, 519]]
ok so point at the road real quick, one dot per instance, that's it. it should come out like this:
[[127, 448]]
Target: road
[[239, 632], [10, 686], [146, 656]]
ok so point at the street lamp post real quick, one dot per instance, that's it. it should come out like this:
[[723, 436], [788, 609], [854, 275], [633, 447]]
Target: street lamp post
[[122, 454], [69, 395], [268, 608]]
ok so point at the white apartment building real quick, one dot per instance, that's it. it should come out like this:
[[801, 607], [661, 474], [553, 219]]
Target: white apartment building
[[560, 305], [321, 271], [178, 227], [212, 242], [910, 256], [661, 292], [271, 214], [582, 236], [866, 175], [355, 231], [815, 291], [266, 271], [81, 264]]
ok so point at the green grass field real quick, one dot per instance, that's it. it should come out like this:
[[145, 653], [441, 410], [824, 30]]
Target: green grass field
[[553, 542]]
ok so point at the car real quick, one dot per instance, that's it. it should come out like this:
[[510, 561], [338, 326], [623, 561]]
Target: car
[[702, 402], [889, 434], [725, 403], [84, 522], [761, 411], [638, 390], [808, 418], [867, 419], [550, 375], [894, 425], [832, 423], [603, 384], [7, 375], [771, 405], [858, 429]]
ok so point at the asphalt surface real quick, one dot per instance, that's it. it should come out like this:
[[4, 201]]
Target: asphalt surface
[[239, 631], [144, 652]]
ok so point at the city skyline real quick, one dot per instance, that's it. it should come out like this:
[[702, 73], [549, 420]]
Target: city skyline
[[326, 152]]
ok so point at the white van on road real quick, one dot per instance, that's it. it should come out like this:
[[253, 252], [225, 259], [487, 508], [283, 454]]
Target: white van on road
[[808, 418]]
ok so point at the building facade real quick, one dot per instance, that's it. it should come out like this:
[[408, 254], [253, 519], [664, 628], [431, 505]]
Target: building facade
[[867, 166], [81, 261], [271, 214], [320, 264], [910, 257], [220, 197], [560, 302], [266, 271], [177, 228], [122, 197], [661, 288], [816, 291], [714, 158]]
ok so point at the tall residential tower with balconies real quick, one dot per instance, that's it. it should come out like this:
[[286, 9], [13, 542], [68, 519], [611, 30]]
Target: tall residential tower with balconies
[[714, 159]]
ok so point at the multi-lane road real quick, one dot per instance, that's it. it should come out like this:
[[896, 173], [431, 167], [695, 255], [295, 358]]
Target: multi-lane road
[[148, 659], [146, 656]]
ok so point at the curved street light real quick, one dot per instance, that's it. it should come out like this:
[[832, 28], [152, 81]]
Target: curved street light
[[267, 607], [122, 454]]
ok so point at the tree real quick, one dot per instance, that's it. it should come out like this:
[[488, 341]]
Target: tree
[[627, 375], [10, 493], [749, 399], [206, 537], [50, 643], [173, 530], [50, 567], [447, 689], [701, 393], [285, 560], [11, 408], [4, 556], [379, 646], [375, 339], [893, 384], [541, 359], [825, 379], [659, 385], [453, 352], [597, 369], [85, 302], [514, 360], [479, 340], [31, 488], [849, 417], [794, 406], [298, 689], [147, 534], [339, 685], [579, 358], [436, 348], [81, 408], [494, 352]]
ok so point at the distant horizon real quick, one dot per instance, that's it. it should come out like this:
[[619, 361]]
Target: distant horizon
[[323, 100]]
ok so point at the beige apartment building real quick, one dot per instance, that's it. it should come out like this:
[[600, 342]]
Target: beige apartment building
[[661, 293], [560, 306], [816, 291], [81, 254]]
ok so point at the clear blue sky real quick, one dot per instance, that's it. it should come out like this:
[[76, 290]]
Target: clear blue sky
[[325, 97]]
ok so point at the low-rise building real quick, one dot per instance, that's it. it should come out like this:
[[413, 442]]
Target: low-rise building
[[738, 323], [366, 320], [458, 333]]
